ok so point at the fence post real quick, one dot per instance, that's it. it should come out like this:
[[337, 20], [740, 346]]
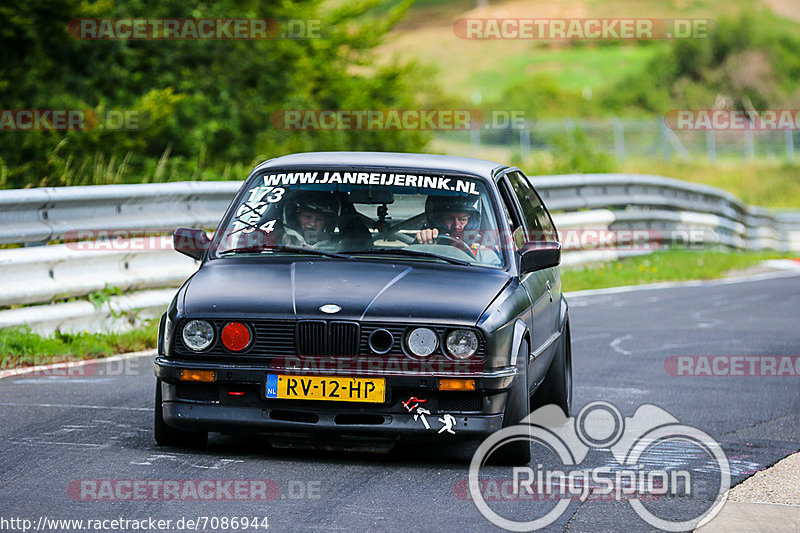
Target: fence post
[[788, 135], [619, 139], [524, 141], [749, 145], [711, 145]]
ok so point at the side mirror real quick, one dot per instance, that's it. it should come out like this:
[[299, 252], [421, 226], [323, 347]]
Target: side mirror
[[538, 256], [190, 241]]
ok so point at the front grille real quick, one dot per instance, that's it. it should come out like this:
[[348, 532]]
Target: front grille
[[314, 338], [198, 392], [320, 338], [460, 402]]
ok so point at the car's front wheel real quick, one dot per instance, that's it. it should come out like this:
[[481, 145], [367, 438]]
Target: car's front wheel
[[517, 452], [168, 436], [557, 385]]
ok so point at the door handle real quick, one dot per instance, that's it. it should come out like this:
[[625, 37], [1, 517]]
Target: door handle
[[549, 289]]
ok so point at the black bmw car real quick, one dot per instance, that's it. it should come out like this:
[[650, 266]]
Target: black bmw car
[[358, 296]]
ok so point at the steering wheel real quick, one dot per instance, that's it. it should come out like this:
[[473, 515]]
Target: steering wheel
[[402, 237], [455, 241]]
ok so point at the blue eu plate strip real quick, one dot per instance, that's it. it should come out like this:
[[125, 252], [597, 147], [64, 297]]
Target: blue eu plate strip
[[272, 386]]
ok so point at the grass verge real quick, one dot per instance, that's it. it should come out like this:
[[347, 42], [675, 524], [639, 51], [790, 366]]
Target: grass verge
[[21, 347], [668, 265]]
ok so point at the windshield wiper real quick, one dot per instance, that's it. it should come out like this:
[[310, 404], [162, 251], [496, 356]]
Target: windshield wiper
[[282, 248], [416, 253]]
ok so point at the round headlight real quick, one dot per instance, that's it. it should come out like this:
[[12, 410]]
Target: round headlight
[[461, 343], [198, 335], [422, 341]]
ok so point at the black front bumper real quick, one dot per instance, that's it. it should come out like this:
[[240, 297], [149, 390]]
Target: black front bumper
[[212, 407]]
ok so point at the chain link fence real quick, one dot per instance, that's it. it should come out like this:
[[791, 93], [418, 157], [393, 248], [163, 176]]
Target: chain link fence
[[624, 138]]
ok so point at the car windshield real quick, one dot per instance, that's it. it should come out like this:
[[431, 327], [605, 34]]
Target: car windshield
[[382, 215]]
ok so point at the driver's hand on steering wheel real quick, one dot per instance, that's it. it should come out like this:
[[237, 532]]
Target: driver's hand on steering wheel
[[427, 236]]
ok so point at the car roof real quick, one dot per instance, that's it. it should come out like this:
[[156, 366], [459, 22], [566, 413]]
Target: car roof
[[465, 165]]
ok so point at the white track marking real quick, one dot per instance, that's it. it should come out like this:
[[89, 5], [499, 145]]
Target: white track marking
[[71, 406], [615, 344]]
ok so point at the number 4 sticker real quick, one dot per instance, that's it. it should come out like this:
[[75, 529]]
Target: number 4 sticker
[[268, 227]]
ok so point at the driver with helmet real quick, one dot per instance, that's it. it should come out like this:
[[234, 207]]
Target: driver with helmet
[[450, 215], [310, 218], [456, 220]]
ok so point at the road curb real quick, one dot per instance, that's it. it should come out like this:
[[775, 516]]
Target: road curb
[[744, 517]]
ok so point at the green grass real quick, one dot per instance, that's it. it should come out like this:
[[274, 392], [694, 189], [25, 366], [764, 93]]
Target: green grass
[[466, 66], [21, 347], [761, 182], [669, 265], [595, 67]]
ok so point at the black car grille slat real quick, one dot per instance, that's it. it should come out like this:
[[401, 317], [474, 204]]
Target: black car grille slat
[[314, 338], [311, 337], [197, 392], [460, 402], [343, 338]]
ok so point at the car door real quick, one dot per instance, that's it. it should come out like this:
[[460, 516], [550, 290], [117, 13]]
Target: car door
[[544, 286]]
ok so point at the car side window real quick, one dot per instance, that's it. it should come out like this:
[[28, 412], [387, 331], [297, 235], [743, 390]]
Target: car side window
[[511, 213], [537, 221]]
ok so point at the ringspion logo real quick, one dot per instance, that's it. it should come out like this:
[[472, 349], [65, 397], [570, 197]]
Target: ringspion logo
[[638, 471]]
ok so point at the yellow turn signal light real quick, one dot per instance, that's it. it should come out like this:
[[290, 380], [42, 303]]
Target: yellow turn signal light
[[456, 384], [197, 375]]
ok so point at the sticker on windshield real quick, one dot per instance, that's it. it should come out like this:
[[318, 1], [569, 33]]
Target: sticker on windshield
[[365, 178]]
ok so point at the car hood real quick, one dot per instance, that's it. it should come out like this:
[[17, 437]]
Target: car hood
[[365, 290]]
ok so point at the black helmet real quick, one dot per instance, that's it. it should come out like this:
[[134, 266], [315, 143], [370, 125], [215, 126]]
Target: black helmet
[[436, 205], [325, 203]]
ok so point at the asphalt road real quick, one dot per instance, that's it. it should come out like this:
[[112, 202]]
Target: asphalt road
[[57, 431]]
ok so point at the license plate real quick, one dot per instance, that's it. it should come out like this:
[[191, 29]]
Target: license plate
[[372, 390]]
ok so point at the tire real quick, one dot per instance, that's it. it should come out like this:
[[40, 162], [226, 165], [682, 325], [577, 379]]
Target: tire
[[518, 452], [557, 385], [168, 436]]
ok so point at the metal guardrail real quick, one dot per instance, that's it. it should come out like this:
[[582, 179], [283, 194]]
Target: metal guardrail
[[52, 213], [673, 210]]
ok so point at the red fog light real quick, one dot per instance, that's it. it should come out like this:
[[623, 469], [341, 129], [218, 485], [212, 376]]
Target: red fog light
[[235, 336]]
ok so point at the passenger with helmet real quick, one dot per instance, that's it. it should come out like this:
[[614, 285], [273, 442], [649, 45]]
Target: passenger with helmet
[[310, 218]]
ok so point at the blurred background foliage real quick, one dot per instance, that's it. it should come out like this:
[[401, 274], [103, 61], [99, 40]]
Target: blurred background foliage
[[208, 103]]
